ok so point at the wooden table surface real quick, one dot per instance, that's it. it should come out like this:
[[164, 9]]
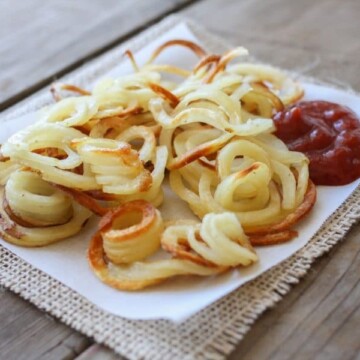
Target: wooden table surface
[[40, 41]]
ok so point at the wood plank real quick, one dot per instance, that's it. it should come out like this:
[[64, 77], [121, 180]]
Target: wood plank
[[28, 334], [295, 35], [314, 312], [301, 24], [43, 38], [99, 352]]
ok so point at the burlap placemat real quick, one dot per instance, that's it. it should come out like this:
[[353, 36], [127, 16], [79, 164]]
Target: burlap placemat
[[212, 333]]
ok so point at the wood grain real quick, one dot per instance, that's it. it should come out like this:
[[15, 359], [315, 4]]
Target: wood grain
[[28, 334], [320, 317], [306, 35], [98, 352], [43, 39]]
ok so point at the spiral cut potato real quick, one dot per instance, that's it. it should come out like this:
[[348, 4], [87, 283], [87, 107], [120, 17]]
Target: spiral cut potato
[[210, 106], [273, 79], [167, 68], [262, 184], [105, 151], [116, 166], [155, 193], [35, 213], [132, 91], [72, 111], [46, 148], [132, 232], [57, 87]]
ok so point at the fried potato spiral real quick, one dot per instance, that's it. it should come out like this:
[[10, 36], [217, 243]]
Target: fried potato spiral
[[218, 241], [283, 86], [132, 232], [260, 185], [46, 149], [116, 166], [34, 213], [72, 111], [211, 106], [35, 201], [155, 193], [115, 95]]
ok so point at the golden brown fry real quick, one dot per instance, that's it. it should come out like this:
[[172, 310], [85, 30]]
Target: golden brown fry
[[272, 239], [224, 60], [203, 150], [130, 55], [56, 87], [206, 61], [24, 225], [198, 50], [98, 263], [165, 94], [291, 219], [84, 200], [182, 250]]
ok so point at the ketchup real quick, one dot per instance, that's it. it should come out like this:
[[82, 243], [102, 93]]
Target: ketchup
[[328, 134]]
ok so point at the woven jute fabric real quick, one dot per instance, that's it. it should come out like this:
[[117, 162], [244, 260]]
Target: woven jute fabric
[[213, 332]]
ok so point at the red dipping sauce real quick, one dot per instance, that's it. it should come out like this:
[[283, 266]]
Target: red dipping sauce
[[328, 134]]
